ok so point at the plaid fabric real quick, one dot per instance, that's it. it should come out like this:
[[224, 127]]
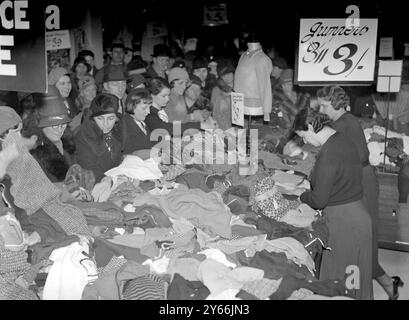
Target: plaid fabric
[[113, 266], [11, 291], [32, 190], [13, 265]]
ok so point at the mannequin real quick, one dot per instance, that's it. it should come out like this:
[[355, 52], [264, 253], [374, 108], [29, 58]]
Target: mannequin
[[252, 78]]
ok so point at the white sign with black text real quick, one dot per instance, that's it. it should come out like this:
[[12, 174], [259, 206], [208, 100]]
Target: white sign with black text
[[237, 108], [331, 52]]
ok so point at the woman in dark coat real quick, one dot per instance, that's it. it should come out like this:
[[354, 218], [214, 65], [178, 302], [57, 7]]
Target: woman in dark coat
[[55, 148], [336, 188], [137, 107], [99, 141], [333, 101]]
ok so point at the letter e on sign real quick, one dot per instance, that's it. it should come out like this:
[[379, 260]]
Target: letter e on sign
[[6, 69]]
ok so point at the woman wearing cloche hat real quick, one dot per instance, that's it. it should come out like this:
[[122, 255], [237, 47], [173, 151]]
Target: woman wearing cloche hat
[[55, 146]]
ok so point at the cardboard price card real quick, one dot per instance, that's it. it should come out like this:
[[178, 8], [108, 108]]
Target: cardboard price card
[[329, 51], [237, 108]]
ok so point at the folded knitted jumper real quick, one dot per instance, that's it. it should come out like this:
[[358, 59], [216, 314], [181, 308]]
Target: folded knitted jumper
[[14, 265], [32, 190]]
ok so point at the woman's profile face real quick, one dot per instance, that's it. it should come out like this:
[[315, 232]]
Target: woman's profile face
[[106, 122], [180, 86], [162, 98], [141, 110]]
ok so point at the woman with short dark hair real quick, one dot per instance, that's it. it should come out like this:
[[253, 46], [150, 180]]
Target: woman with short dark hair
[[334, 102], [336, 188], [137, 107]]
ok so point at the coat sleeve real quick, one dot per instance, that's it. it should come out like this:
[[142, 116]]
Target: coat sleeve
[[324, 175], [263, 71], [85, 157]]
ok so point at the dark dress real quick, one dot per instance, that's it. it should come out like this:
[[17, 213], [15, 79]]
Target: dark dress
[[350, 126], [96, 151], [337, 190], [135, 138]]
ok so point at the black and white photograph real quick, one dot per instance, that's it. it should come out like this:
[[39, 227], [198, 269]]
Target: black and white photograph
[[194, 150]]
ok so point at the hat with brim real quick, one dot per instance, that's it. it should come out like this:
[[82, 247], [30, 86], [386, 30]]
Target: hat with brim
[[161, 50], [53, 110], [178, 74], [114, 73]]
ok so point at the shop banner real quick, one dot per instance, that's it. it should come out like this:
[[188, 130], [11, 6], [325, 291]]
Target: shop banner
[[22, 46], [331, 52], [56, 40], [237, 108], [215, 15]]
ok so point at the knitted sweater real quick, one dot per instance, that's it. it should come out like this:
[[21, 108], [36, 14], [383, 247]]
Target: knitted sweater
[[337, 175], [252, 78]]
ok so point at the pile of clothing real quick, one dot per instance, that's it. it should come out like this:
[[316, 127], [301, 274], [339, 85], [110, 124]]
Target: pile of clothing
[[210, 233], [397, 146]]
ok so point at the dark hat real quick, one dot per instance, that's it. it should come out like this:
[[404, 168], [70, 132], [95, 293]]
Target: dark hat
[[134, 81], [114, 73], [78, 61], [85, 53], [117, 44], [200, 62], [196, 80], [53, 111], [179, 64], [287, 76], [103, 104], [136, 66], [161, 50], [224, 66], [280, 63]]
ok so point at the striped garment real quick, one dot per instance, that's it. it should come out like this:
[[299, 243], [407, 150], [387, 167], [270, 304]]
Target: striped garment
[[148, 287]]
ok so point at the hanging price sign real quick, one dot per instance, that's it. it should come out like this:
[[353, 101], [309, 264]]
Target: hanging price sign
[[215, 15], [237, 108], [56, 40], [331, 51]]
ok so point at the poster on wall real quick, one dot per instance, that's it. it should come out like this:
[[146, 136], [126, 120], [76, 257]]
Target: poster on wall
[[330, 52], [22, 46], [56, 40], [215, 15]]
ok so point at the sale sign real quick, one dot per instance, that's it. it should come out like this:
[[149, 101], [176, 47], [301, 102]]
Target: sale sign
[[56, 40], [330, 51], [22, 46]]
